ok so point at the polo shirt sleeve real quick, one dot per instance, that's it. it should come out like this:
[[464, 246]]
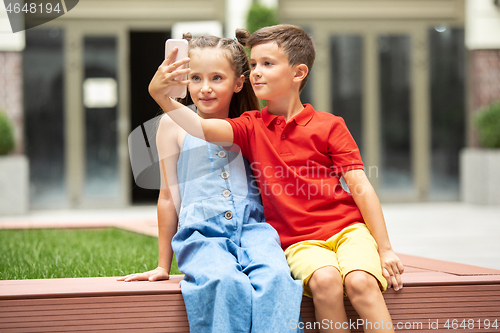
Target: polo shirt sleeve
[[242, 126], [342, 148]]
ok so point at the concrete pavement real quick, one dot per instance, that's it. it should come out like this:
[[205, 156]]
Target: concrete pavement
[[457, 232]]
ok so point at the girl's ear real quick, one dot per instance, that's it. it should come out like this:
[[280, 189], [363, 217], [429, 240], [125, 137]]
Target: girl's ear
[[301, 71], [239, 84]]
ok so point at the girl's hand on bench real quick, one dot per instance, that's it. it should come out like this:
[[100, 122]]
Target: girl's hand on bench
[[157, 274]]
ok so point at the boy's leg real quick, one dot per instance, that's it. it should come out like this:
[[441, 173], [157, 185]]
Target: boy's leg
[[364, 293], [360, 264], [328, 298], [276, 297], [216, 293], [316, 265]]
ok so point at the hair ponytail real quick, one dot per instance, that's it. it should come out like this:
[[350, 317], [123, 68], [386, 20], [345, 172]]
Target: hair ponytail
[[242, 36], [187, 36], [245, 100]]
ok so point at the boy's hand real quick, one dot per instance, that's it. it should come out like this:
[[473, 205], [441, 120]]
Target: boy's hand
[[163, 80], [392, 268], [157, 274]]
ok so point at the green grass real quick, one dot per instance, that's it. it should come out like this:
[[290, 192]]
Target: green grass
[[68, 253]]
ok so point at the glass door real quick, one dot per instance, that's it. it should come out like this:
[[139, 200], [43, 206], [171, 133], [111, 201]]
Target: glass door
[[372, 87], [96, 152], [394, 68], [100, 102], [43, 84], [447, 78], [346, 65]]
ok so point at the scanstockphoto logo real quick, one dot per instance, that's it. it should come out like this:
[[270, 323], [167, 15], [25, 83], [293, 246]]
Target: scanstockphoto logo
[[23, 15], [211, 169], [145, 157]]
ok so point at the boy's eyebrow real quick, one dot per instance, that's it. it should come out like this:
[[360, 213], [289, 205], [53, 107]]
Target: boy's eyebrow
[[263, 58]]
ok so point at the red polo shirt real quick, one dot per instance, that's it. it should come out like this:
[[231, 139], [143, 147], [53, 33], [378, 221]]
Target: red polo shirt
[[297, 165]]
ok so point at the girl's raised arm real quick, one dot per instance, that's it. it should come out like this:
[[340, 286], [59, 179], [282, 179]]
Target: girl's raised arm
[[216, 131], [213, 130]]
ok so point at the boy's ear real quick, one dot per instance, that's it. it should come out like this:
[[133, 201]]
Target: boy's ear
[[239, 84], [301, 71]]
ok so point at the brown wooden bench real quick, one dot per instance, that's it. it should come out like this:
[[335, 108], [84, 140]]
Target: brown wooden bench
[[435, 293]]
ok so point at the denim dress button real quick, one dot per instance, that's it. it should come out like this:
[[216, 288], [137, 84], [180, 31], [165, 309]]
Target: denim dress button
[[226, 193], [228, 215], [224, 175], [221, 154]]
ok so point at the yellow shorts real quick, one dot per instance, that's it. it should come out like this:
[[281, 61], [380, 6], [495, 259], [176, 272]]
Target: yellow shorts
[[351, 249]]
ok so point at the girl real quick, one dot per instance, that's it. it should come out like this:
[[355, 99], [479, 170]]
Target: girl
[[236, 275]]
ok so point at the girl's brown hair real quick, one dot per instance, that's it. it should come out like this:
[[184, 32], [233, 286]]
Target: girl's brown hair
[[244, 100]]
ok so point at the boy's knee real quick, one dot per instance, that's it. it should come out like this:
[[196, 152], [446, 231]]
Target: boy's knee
[[360, 283], [326, 282]]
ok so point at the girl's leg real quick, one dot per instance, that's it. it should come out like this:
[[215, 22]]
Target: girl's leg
[[216, 293], [276, 297]]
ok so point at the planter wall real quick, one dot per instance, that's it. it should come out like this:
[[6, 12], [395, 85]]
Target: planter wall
[[480, 176], [14, 185]]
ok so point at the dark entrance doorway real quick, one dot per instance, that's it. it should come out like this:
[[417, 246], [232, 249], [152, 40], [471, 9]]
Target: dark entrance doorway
[[147, 51]]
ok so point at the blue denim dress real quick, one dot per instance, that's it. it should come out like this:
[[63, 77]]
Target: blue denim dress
[[236, 275]]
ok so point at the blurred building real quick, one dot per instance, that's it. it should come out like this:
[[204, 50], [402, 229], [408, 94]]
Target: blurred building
[[396, 70]]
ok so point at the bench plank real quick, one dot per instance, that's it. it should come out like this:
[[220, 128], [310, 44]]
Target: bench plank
[[435, 292]]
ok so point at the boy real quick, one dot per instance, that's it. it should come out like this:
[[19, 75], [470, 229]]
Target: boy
[[333, 240]]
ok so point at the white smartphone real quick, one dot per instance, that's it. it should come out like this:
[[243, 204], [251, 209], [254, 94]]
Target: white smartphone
[[182, 52]]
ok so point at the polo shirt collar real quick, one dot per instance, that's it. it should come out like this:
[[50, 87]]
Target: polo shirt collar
[[302, 118]]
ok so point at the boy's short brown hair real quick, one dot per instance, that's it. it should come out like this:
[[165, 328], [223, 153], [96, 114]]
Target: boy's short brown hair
[[297, 44]]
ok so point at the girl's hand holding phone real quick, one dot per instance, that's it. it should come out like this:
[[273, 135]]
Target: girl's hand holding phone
[[165, 82]]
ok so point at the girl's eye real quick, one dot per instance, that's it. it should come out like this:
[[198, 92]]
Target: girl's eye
[[195, 78], [252, 65], [217, 78], [267, 63]]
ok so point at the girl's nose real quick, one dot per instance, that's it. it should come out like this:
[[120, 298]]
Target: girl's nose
[[206, 89]]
